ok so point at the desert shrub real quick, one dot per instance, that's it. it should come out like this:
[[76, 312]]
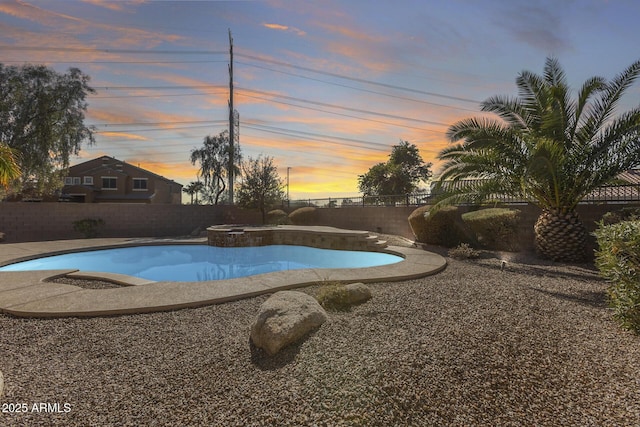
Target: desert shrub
[[624, 214], [277, 217], [495, 228], [463, 251], [304, 216], [618, 259], [333, 296], [88, 226], [442, 227]]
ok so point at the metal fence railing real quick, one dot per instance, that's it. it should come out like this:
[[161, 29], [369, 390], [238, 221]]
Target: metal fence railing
[[361, 201], [623, 193], [614, 193]]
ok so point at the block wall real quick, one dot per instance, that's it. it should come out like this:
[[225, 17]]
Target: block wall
[[24, 222]]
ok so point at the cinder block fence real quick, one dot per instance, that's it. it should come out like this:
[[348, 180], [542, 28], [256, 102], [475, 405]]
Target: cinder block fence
[[23, 222]]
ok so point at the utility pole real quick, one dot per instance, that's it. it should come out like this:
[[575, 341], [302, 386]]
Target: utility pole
[[231, 120], [288, 169]]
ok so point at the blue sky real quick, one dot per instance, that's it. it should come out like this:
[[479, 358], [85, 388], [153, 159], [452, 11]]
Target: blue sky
[[324, 87]]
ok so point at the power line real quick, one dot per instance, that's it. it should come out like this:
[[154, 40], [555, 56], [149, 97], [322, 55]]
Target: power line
[[124, 51], [120, 62], [405, 98], [158, 96], [157, 129], [171, 87], [315, 136], [357, 110], [159, 123], [344, 115], [359, 80]]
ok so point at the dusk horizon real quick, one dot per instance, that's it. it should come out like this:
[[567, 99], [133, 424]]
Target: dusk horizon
[[326, 89]]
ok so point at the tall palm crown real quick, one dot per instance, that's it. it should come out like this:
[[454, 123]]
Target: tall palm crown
[[548, 148]]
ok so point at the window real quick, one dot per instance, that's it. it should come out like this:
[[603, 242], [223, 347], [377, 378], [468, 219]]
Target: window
[[88, 180], [140, 184], [109, 183], [76, 180], [68, 180]]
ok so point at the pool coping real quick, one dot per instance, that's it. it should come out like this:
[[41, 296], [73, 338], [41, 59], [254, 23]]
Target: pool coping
[[27, 294]]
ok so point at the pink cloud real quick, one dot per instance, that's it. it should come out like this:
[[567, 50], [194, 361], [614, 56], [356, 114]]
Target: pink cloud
[[64, 23], [280, 27], [112, 5]]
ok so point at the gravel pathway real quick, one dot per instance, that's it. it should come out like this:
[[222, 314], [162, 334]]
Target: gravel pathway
[[531, 345]]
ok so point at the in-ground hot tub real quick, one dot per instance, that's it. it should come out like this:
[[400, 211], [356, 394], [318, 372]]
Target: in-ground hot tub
[[314, 236]]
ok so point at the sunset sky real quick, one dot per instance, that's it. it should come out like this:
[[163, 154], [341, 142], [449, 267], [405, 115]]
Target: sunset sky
[[324, 87]]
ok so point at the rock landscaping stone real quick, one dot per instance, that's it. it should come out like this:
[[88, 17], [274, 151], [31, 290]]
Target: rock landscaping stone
[[357, 293], [284, 319]]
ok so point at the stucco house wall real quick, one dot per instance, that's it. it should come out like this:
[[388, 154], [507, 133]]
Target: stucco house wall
[[109, 180]]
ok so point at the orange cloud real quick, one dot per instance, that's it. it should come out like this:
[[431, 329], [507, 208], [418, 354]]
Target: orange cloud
[[63, 23], [279, 27], [112, 5], [171, 171], [360, 47], [124, 135]]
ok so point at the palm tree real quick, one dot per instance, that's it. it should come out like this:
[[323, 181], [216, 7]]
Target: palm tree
[[548, 148], [194, 188], [9, 168]]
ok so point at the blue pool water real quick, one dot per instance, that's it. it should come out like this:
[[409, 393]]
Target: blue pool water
[[194, 263]]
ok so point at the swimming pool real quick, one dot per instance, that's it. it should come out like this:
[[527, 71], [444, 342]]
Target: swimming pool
[[194, 263]]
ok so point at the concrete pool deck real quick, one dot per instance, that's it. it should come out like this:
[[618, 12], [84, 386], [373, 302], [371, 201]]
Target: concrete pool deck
[[28, 294]]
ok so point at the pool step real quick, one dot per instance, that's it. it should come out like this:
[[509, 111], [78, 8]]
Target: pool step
[[374, 242]]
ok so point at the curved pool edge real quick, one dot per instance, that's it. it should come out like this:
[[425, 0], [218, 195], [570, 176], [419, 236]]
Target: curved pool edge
[[25, 294]]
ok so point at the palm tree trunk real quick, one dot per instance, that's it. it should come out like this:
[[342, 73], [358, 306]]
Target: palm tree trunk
[[560, 236]]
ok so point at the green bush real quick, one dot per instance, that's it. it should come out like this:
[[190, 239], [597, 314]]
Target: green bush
[[495, 228], [618, 259], [277, 217], [304, 216], [624, 214], [443, 227], [88, 226], [333, 296]]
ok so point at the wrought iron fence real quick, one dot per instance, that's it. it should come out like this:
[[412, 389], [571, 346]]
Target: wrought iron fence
[[624, 193], [362, 201]]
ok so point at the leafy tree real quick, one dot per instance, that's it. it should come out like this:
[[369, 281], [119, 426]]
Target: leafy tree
[[261, 187], [193, 189], [549, 148], [213, 158], [42, 116], [401, 174], [9, 168]]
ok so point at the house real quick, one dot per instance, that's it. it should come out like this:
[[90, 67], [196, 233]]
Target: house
[[631, 176], [109, 180]]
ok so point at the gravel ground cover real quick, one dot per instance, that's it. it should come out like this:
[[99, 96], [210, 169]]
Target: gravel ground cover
[[532, 344]]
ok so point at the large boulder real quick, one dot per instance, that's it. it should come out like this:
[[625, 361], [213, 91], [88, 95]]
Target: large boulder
[[285, 318]]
